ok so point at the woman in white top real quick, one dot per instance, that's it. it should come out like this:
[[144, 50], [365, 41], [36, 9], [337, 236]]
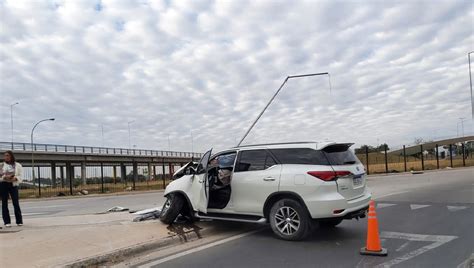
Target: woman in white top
[[11, 174]]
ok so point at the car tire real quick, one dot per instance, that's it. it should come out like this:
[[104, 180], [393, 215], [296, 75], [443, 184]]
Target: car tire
[[171, 208], [330, 223], [290, 220]]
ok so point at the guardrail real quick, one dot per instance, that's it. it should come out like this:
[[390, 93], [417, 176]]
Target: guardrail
[[74, 149]]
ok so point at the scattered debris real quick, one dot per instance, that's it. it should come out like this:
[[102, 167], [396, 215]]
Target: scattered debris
[[117, 209], [416, 172], [129, 188], [151, 214], [61, 194], [146, 211], [83, 192]]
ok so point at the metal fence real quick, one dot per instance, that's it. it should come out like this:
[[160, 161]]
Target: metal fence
[[71, 149], [416, 158]]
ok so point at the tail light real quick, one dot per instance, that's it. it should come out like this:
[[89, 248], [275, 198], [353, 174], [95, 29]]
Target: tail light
[[329, 175]]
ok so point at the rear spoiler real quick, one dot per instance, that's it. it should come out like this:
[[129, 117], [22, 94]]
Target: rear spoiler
[[336, 146]]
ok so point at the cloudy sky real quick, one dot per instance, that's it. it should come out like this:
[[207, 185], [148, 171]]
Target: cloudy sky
[[205, 69]]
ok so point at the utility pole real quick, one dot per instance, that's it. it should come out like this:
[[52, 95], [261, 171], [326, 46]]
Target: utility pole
[[11, 119], [129, 135]]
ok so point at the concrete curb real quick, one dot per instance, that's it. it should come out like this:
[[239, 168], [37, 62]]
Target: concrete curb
[[127, 252], [371, 176]]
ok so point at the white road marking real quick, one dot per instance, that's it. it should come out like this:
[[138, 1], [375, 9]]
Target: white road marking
[[193, 250], [384, 205], [437, 240], [404, 245], [416, 206], [456, 208], [385, 195]]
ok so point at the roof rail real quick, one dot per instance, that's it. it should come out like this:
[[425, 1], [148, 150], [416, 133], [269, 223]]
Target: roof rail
[[277, 143]]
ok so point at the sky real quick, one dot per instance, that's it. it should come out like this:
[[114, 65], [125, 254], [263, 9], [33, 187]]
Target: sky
[[190, 75]]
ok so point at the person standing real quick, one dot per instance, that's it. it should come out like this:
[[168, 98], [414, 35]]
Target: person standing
[[11, 176]]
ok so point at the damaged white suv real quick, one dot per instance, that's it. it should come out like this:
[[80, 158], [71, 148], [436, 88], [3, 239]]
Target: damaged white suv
[[289, 185]]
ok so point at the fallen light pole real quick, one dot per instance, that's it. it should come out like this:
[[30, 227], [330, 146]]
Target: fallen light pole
[[276, 93]]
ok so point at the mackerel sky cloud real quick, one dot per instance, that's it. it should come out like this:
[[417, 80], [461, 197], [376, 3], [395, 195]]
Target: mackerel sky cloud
[[205, 69]]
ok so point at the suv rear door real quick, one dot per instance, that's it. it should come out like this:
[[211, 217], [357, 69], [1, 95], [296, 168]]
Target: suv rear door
[[256, 176], [342, 159]]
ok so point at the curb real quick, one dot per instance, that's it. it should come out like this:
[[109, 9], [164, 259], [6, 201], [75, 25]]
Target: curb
[[371, 176], [124, 253]]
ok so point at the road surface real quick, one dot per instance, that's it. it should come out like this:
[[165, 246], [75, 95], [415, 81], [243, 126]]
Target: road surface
[[425, 221]]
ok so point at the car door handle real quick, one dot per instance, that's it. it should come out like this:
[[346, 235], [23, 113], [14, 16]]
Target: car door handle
[[269, 179]]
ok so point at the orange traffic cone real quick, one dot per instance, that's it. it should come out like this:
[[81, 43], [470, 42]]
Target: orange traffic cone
[[373, 240]]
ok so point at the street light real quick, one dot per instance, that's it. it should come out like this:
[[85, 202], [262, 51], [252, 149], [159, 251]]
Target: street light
[[462, 125], [129, 139], [470, 82], [276, 93], [33, 154], [11, 118]]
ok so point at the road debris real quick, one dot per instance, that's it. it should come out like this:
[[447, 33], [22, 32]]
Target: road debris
[[117, 209]]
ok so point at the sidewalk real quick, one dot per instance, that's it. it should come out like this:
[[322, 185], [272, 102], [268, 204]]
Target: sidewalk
[[59, 241]]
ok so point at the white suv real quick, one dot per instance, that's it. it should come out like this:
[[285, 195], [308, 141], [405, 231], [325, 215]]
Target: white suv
[[289, 185]]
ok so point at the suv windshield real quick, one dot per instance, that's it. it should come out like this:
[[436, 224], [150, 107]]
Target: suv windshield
[[339, 154]]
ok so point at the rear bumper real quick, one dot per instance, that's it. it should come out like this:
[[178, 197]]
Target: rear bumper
[[336, 206]]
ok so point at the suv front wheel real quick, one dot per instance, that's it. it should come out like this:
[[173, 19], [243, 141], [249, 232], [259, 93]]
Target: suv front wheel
[[171, 208], [289, 220]]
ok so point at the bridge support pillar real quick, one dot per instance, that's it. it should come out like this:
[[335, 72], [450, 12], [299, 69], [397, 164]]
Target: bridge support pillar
[[61, 175], [114, 170], [123, 172], [83, 173], [150, 174], [70, 176], [53, 174], [135, 173]]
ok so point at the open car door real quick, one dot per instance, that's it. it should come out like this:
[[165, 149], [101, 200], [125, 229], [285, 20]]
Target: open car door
[[200, 186]]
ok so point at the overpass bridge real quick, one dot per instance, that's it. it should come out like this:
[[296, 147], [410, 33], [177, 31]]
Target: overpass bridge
[[67, 169]]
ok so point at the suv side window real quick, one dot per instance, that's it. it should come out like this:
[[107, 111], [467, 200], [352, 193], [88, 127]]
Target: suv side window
[[301, 156], [253, 160]]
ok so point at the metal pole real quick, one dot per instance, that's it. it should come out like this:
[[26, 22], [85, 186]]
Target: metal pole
[[422, 158], [129, 135], [437, 157], [273, 97], [463, 156], [367, 158], [386, 160], [102, 128], [470, 83], [102, 176], [11, 119], [451, 154], [33, 154], [405, 158], [163, 166]]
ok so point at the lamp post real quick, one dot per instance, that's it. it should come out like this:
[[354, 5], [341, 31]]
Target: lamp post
[[470, 82], [276, 93], [33, 154], [192, 146], [11, 118], [129, 135], [102, 130]]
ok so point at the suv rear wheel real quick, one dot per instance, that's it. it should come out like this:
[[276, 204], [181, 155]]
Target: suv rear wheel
[[289, 220], [171, 208]]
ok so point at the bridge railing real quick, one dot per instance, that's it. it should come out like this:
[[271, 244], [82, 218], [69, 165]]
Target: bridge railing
[[56, 148]]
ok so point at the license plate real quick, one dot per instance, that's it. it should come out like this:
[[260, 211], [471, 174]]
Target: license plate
[[357, 181]]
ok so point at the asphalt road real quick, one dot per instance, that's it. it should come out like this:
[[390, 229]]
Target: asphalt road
[[425, 221]]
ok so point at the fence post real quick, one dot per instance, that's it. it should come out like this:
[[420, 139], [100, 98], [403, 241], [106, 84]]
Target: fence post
[[451, 154], [39, 182], [463, 156], [422, 158], [163, 166], [437, 157], [102, 175], [405, 158], [386, 160], [366, 158]]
